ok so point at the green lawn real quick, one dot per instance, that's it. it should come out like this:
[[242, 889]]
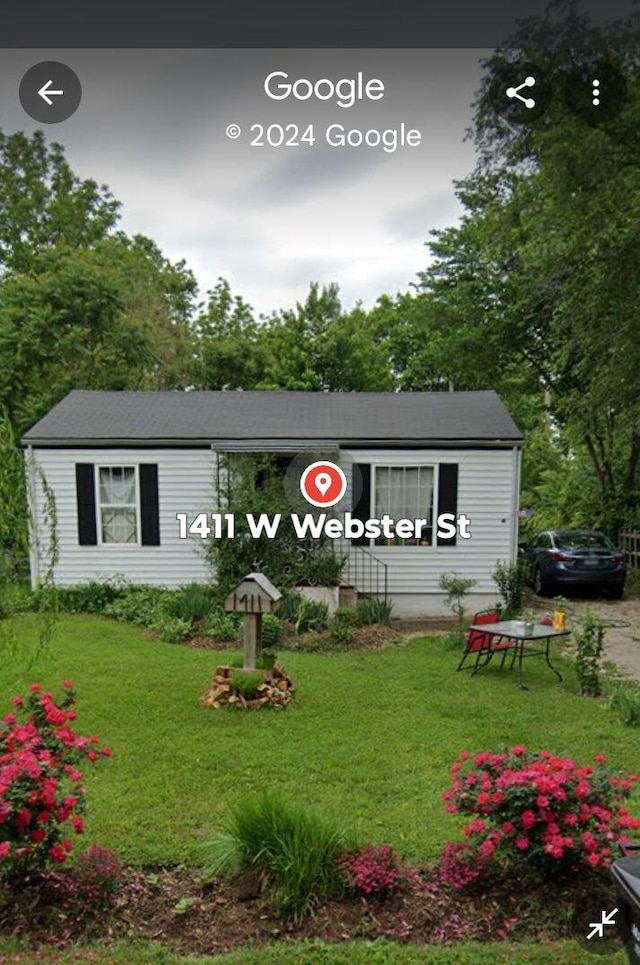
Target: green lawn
[[369, 739], [319, 953]]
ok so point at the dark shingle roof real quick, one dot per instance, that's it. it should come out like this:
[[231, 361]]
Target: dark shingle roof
[[237, 419]]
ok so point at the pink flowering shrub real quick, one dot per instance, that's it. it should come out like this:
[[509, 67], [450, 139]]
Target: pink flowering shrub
[[548, 810], [42, 797], [86, 890], [459, 864], [371, 870]]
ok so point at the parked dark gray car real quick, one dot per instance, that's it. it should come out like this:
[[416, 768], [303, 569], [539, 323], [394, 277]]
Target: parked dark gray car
[[564, 558]]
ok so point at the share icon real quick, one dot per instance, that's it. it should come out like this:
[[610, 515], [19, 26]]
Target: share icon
[[512, 92]]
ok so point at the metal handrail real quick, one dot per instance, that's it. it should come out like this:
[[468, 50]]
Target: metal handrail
[[364, 571]]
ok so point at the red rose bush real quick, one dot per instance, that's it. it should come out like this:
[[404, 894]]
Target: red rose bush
[[42, 797], [546, 810]]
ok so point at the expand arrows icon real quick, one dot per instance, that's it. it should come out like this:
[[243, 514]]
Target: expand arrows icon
[[597, 927], [46, 93]]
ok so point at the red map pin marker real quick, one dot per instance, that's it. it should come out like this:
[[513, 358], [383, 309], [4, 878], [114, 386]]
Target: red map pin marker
[[323, 484]]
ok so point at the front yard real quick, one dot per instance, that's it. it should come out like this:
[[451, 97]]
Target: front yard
[[369, 740]]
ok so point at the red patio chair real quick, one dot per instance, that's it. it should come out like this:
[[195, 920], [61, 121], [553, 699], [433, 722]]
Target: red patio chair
[[483, 644]]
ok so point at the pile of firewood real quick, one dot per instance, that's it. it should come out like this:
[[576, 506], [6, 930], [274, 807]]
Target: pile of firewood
[[275, 691]]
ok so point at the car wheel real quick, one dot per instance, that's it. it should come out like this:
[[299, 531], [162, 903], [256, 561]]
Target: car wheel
[[615, 592], [540, 585]]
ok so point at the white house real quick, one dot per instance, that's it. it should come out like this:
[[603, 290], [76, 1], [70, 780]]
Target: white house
[[123, 465]]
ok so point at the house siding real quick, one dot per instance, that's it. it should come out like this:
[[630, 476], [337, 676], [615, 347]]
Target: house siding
[[185, 484], [487, 495]]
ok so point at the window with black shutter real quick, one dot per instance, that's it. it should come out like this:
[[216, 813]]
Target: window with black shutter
[[407, 492], [404, 492], [118, 504], [149, 505], [86, 503], [447, 496], [361, 484]]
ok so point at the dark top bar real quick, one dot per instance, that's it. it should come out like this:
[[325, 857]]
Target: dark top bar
[[197, 23]]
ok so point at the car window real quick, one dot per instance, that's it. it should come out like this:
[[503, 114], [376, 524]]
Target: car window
[[579, 541], [542, 541]]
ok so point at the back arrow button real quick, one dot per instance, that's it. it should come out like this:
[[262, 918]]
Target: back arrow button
[[50, 92], [46, 93]]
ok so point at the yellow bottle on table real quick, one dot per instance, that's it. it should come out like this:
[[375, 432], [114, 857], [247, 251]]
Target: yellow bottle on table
[[560, 620]]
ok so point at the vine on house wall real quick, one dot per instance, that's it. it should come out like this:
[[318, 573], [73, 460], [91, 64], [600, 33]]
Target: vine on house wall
[[255, 483]]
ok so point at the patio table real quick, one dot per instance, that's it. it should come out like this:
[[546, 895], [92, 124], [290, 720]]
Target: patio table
[[515, 630]]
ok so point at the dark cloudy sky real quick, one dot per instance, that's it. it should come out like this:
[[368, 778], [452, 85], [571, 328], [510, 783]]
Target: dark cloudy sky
[[152, 126]]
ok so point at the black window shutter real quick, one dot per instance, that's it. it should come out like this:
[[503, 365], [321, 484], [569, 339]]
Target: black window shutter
[[447, 497], [149, 510], [362, 509], [86, 502]]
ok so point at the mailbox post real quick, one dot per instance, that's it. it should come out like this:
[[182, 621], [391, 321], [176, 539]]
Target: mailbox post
[[253, 596]]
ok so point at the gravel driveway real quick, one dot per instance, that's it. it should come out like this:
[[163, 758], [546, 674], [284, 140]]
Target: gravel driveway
[[622, 641]]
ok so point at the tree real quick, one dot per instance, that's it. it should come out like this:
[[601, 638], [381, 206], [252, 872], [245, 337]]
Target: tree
[[231, 350], [43, 203], [314, 347], [318, 347], [538, 281], [114, 316], [13, 515]]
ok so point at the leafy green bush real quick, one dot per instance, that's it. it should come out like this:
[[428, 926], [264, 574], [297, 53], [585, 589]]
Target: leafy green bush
[[632, 584], [342, 633], [288, 606], [322, 568], [511, 580], [91, 597], [292, 850], [254, 484], [370, 611], [172, 629], [272, 630], [311, 616], [303, 614], [16, 597], [347, 615], [142, 605], [625, 700], [222, 625], [192, 602], [589, 639], [456, 588], [246, 682]]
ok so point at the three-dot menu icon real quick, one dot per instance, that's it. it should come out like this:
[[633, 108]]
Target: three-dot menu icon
[[595, 92]]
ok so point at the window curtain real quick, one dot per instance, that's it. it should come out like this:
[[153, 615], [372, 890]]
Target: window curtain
[[118, 504], [404, 492]]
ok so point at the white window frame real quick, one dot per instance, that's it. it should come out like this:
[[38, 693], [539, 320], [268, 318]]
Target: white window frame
[[136, 478], [434, 495]]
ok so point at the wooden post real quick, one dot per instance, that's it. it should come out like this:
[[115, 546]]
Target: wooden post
[[252, 640]]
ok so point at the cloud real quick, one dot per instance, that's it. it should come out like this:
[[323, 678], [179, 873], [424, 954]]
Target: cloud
[[417, 219], [270, 219]]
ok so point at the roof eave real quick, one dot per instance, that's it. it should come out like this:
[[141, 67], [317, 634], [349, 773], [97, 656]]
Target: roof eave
[[271, 445]]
